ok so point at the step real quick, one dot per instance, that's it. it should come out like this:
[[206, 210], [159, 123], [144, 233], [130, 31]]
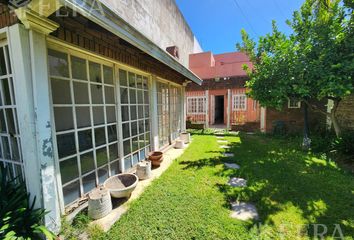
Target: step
[[232, 165], [244, 211], [228, 154], [225, 147], [237, 182]]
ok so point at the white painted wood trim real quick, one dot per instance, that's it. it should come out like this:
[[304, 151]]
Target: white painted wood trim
[[228, 108]]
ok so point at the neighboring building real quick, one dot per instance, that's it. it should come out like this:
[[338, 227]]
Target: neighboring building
[[221, 99], [85, 95]]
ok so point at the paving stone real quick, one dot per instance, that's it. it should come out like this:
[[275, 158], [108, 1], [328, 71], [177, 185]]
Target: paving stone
[[244, 211], [222, 141], [219, 137], [228, 154], [237, 182], [232, 165], [219, 134], [225, 146]]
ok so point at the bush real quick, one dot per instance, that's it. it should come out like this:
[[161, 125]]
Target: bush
[[345, 144], [18, 217]]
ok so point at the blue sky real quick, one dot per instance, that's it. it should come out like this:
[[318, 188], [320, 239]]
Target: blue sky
[[217, 23]]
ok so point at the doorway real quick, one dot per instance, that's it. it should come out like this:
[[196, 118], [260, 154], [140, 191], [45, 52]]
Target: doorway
[[219, 110]]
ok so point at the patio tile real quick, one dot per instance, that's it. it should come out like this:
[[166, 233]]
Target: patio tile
[[228, 154], [225, 146], [237, 182], [244, 211], [232, 165]]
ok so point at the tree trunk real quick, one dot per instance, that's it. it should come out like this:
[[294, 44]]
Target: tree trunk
[[306, 144], [335, 123]]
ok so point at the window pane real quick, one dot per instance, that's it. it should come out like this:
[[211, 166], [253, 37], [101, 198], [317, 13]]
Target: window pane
[[126, 147], [132, 82], [146, 97], [127, 163], [135, 144], [126, 130], [6, 91], [95, 72], [140, 112], [98, 115], [2, 62], [63, 118], [140, 94], [96, 94], [111, 114], [125, 113], [15, 149], [85, 140], [6, 147], [89, 182], [132, 96], [112, 133], [61, 91], [87, 162], [108, 75], [134, 128], [123, 78], [113, 152], [100, 136], [69, 170], [58, 63], [145, 82], [66, 144], [114, 168], [124, 95], [102, 174], [71, 192], [139, 81], [81, 93], [101, 155], [146, 111], [133, 115], [83, 117], [135, 158], [141, 126], [142, 155], [78, 68], [109, 95], [2, 122], [8, 59]]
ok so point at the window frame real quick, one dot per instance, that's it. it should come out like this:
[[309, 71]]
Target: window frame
[[236, 102], [197, 106], [294, 100]]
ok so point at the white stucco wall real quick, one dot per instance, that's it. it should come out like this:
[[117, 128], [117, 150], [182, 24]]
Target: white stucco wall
[[159, 20]]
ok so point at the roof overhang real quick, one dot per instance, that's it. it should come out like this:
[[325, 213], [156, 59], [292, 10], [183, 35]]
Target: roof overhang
[[101, 14]]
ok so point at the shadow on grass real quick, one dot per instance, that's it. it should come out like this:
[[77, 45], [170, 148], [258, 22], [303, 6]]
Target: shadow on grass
[[286, 183], [279, 174]]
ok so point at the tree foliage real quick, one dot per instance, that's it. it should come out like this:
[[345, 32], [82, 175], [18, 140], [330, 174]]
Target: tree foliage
[[315, 62]]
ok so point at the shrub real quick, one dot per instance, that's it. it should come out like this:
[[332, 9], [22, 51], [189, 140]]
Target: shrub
[[345, 144], [18, 217]]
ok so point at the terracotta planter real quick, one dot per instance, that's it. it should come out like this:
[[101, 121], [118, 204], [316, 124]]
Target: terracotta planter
[[156, 158]]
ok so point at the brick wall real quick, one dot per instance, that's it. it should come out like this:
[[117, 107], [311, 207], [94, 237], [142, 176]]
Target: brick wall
[[80, 31], [345, 113], [211, 84], [7, 16], [294, 119]]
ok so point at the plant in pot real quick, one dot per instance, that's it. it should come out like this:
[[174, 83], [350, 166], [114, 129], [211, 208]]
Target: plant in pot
[[156, 158]]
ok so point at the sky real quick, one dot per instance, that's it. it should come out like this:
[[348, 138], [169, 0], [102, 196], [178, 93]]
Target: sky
[[217, 23]]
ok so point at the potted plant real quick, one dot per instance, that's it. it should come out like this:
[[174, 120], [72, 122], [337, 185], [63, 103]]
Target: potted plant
[[156, 158]]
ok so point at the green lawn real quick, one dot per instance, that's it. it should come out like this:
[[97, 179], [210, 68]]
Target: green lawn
[[290, 189]]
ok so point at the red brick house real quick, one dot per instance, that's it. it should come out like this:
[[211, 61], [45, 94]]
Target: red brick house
[[221, 99]]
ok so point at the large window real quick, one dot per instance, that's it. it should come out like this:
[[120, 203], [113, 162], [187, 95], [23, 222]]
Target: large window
[[10, 149], [163, 113], [84, 107], [196, 105], [239, 102], [175, 111], [134, 95]]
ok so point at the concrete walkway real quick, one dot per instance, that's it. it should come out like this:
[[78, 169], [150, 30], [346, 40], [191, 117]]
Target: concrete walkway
[[121, 206]]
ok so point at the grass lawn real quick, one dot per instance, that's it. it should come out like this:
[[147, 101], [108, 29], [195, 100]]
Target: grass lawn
[[292, 190]]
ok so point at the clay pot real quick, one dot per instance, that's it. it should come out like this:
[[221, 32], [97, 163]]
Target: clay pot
[[156, 158]]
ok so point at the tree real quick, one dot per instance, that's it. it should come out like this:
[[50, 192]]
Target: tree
[[315, 62]]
